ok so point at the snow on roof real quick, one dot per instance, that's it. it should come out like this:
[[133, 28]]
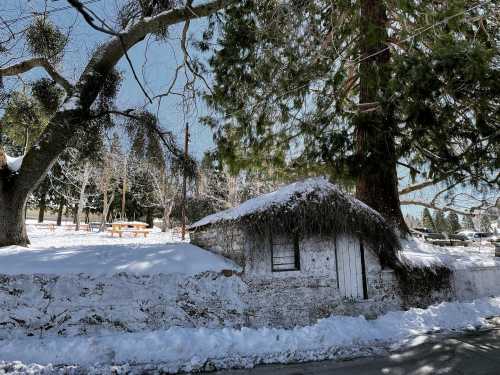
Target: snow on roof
[[14, 163], [297, 191]]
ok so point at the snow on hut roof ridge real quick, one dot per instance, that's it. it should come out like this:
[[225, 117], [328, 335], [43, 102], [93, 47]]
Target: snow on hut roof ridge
[[298, 190]]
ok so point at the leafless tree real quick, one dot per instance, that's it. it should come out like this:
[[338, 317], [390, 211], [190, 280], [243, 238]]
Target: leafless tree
[[76, 176]]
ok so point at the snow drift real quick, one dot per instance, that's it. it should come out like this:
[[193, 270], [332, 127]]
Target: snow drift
[[185, 349]]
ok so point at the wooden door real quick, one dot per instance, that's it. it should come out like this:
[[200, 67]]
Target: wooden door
[[351, 278]]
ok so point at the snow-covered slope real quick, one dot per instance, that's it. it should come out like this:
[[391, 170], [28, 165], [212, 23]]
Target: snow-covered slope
[[69, 252]]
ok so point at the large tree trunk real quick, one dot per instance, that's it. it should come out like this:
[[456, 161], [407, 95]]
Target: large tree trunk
[[377, 183], [167, 211], [41, 212], [60, 213], [105, 210], [12, 217], [149, 217], [82, 201]]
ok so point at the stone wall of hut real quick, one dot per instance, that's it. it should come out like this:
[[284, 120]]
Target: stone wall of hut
[[294, 297], [291, 298], [227, 241]]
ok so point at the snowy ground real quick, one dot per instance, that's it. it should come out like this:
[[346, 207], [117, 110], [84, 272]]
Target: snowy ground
[[65, 252], [187, 349], [420, 253], [140, 347]]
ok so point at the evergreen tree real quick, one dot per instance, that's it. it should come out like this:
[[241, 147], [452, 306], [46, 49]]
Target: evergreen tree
[[453, 223], [312, 86], [440, 222], [485, 223], [427, 221], [468, 223]]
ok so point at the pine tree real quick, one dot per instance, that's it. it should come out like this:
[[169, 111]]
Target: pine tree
[[427, 221], [485, 223], [440, 223], [453, 223], [311, 87], [468, 223]]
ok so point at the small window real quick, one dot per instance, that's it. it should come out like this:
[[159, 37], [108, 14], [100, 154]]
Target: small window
[[285, 254]]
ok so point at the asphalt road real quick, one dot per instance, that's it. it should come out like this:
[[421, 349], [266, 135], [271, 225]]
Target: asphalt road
[[474, 353]]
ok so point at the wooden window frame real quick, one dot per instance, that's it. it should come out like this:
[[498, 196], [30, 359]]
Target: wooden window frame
[[296, 255]]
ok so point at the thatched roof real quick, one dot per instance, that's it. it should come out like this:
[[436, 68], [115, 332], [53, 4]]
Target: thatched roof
[[311, 207]]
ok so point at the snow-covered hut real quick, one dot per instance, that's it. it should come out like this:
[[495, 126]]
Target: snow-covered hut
[[306, 230]]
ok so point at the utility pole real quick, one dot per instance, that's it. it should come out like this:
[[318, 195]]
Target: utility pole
[[124, 190], [184, 182]]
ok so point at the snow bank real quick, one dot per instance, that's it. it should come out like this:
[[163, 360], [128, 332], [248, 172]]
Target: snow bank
[[69, 252], [185, 349], [418, 253], [14, 163]]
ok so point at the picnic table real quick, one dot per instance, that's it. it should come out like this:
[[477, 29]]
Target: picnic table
[[449, 242], [137, 227], [73, 227], [49, 226]]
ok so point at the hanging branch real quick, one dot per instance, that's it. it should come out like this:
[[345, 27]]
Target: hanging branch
[[108, 30], [37, 62]]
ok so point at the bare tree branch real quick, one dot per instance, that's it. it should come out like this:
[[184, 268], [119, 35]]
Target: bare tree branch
[[37, 62], [187, 57], [419, 186], [89, 18]]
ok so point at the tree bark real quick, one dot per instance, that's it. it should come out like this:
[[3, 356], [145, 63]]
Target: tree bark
[[60, 213], [377, 183], [12, 217], [149, 217], [167, 211], [41, 212], [105, 210], [82, 201]]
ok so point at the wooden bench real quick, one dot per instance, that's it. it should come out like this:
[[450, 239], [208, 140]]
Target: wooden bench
[[447, 242], [50, 227], [135, 232], [139, 231], [73, 227], [113, 231]]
